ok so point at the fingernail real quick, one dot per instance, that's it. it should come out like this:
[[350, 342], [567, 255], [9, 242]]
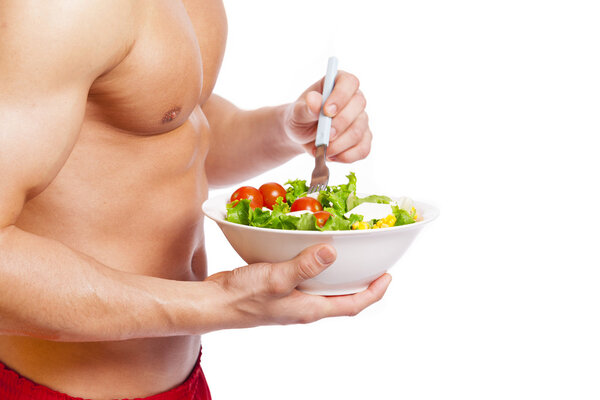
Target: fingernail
[[325, 255], [331, 110]]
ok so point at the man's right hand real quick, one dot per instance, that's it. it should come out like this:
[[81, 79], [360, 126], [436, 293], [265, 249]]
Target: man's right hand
[[266, 294]]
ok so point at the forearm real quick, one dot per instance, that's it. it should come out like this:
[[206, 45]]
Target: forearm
[[50, 291], [245, 143]]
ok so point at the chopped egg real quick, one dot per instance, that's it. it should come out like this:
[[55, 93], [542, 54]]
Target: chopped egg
[[298, 213], [371, 211], [406, 203]]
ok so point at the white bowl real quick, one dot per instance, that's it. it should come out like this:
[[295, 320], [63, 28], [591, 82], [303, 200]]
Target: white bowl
[[362, 255]]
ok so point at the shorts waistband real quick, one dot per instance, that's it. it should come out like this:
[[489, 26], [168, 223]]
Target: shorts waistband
[[14, 386]]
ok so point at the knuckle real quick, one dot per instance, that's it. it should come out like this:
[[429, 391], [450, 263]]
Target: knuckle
[[356, 132], [275, 281], [277, 286], [364, 151], [354, 81], [341, 121], [364, 117], [308, 316], [362, 100], [354, 310], [305, 268]]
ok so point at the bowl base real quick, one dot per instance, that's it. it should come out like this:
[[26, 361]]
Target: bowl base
[[334, 292]]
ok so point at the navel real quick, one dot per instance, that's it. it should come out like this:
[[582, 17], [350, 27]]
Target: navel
[[171, 115]]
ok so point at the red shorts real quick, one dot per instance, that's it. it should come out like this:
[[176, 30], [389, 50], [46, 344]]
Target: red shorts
[[16, 387]]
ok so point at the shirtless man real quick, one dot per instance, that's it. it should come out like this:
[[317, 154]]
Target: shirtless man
[[109, 139]]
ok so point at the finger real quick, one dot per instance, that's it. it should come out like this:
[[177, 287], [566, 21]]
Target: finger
[[308, 264], [356, 153], [355, 134], [345, 87], [350, 305], [348, 115]]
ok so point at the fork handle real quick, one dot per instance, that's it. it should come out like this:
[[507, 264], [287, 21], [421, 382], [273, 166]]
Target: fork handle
[[324, 123]]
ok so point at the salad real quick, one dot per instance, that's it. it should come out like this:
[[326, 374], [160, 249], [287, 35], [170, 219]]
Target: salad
[[335, 208]]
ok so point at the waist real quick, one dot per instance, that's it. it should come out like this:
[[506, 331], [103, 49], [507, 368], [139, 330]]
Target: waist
[[104, 370]]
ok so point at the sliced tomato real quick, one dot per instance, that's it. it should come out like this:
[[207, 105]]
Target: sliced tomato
[[271, 192], [322, 217], [306, 203], [250, 193]]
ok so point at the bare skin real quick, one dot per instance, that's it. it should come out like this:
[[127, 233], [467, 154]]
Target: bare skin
[[109, 139]]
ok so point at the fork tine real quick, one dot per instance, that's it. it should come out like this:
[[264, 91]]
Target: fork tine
[[317, 188]]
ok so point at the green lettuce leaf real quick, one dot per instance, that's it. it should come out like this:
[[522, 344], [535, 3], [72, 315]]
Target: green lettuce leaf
[[281, 207], [352, 200], [298, 188], [335, 223], [239, 212], [336, 197], [260, 218], [349, 187], [333, 201], [355, 218], [307, 222], [402, 216]]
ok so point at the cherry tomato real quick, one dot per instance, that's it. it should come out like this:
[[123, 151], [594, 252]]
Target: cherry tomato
[[250, 193], [270, 192], [322, 217], [306, 203]]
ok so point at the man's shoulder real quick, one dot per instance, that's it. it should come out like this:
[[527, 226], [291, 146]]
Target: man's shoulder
[[94, 33]]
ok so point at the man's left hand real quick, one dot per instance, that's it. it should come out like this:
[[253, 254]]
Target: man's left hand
[[350, 137]]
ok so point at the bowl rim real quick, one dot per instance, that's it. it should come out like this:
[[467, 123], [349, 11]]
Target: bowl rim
[[432, 213]]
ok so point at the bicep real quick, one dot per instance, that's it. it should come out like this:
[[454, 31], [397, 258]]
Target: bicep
[[36, 137], [47, 65]]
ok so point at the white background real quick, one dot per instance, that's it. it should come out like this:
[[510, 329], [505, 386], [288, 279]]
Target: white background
[[488, 109]]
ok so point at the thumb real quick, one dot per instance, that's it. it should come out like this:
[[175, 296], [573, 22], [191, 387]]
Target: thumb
[[307, 108], [313, 102], [308, 264]]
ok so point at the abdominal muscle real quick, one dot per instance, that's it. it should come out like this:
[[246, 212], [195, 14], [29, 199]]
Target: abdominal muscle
[[133, 203]]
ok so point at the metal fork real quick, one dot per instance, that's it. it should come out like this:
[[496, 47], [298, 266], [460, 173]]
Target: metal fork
[[320, 174]]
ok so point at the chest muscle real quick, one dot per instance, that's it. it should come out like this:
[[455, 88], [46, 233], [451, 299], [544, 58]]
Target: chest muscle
[[163, 77]]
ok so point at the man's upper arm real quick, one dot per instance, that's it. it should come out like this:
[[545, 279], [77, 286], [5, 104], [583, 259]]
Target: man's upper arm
[[50, 53]]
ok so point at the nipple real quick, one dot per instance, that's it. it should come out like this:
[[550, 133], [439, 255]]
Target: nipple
[[171, 115]]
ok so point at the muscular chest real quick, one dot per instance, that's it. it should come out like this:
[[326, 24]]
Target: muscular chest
[[170, 67]]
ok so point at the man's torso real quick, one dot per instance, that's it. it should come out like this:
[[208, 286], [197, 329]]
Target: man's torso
[[130, 193]]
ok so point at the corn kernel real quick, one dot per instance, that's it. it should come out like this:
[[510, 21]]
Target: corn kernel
[[375, 227], [390, 220], [384, 226], [378, 223], [363, 225], [355, 225]]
